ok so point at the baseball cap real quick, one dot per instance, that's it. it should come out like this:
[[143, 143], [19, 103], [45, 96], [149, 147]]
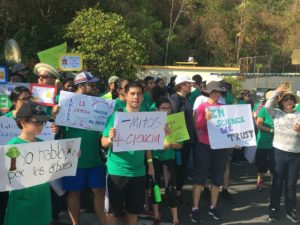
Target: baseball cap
[[183, 79], [85, 77], [34, 110], [18, 68], [113, 79]]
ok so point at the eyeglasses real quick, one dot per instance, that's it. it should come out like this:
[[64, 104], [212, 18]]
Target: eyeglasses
[[37, 123], [287, 98], [25, 100], [44, 76]]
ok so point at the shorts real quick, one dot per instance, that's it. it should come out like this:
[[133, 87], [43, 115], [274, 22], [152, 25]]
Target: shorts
[[264, 160], [125, 193], [85, 178], [209, 162]]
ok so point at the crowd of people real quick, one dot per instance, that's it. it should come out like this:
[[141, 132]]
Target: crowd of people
[[121, 181]]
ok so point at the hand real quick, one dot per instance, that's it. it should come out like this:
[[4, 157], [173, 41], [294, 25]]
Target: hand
[[54, 128], [208, 115], [296, 127], [167, 130], [283, 87], [238, 147], [55, 110], [112, 133], [167, 145], [151, 170], [79, 153]]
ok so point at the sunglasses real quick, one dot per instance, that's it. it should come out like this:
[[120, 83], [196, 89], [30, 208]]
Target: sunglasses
[[37, 123], [26, 99], [287, 98], [44, 76]]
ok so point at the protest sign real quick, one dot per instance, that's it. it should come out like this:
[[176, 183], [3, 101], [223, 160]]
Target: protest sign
[[5, 90], [3, 75], [43, 94], [30, 164], [83, 112], [139, 131], [51, 55], [178, 131], [231, 125], [70, 62], [9, 129]]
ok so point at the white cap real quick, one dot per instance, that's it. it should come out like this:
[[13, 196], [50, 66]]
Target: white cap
[[182, 79]]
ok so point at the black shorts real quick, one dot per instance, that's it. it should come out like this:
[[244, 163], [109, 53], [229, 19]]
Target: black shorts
[[264, 160], [125, 194], [208, 161]]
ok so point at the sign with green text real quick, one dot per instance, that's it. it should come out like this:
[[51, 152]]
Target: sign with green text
[[178, 130]]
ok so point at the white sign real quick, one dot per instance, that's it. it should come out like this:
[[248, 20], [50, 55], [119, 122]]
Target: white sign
[[231, 125], [139, 131], [30, 164], [83, 112], [9, 129]]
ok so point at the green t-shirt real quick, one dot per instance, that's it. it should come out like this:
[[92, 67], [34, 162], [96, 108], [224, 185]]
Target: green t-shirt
[[106, 95], [120, 105], [229, 99], [127, 164], [265, 139], [28, 206], [164, 155], [9, 114], [89, 147], [297, 109], [152, 107], [147, 102], [194, 94]]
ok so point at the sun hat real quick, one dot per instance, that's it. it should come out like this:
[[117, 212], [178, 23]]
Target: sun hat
[[85, 77], [45, 67], [289, 93], [214, 86], [183, 79], [113, 79], [34, 110]]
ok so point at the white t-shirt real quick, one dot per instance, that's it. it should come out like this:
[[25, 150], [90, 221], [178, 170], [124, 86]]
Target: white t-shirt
[[202, 99]]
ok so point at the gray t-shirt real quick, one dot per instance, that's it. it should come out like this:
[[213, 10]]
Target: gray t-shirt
[[285, 138]]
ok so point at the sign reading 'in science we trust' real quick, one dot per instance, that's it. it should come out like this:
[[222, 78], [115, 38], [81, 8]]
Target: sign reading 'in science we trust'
[[230, 126]]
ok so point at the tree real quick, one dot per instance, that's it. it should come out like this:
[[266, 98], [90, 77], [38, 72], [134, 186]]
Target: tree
[[107, 46], [13, 153]]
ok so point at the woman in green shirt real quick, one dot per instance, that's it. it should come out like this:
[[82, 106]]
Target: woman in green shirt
[[164, 164]]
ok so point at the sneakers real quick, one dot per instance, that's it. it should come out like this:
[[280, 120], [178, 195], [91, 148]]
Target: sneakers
[[292, 217], [195, 216], [274, 215], [214, 212], [227, 196], [259, 187]]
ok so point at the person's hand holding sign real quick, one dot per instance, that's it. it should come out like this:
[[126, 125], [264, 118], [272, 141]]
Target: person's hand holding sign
[[208, 114], [112, 134]]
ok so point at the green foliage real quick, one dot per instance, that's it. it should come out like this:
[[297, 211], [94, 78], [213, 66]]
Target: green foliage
[[107, 46]]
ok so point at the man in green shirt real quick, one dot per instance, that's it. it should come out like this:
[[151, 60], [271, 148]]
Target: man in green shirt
[[126, 170], [90, 169], [149, 84], [197, 89]]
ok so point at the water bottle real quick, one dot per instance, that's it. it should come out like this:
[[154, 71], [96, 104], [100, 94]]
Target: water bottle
[[157, 195], [178, 158]]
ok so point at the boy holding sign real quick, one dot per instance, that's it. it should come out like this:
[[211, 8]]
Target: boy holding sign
[[126, 170], [29, 206]]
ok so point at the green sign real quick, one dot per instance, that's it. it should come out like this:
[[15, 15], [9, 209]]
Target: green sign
[[178, 131], [51, 55]]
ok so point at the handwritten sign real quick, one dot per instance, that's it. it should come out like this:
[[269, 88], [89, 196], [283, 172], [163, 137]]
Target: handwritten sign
[[83, 112], [9, 129], [231, 125], [178, 131], [3, 75], [5, 90], [30, 164], [139, 131], [43, 94], [70, 62]]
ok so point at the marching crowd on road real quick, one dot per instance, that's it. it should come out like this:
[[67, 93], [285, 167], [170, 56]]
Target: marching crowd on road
[[120, 181]]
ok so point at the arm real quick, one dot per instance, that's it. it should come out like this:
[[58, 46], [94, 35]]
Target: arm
[[173, 145], [271, 102], [200, 118], [260, 122], [107, 141], [150, 163]]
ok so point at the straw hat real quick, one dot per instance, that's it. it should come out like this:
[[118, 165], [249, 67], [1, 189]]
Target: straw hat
[[45, 67]]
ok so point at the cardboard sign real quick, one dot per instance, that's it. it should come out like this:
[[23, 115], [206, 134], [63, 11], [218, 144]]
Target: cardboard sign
[[3, 75], [9, 129], [70, 62], [83, 112], [231, 125], [5, 90], [30, 164], [178, 130], [51, 55], [139, 131], [43, 94]]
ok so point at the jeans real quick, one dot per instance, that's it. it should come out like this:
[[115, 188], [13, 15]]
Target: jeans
[[287, 166]]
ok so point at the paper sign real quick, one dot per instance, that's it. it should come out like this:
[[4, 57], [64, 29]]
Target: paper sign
[[139, 131], [51, 55], [5, 90], [3, 75], [231, 125], [70, 62], [9, 129], [178, 131], [30, 164], [43, 94], [83, 112]]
